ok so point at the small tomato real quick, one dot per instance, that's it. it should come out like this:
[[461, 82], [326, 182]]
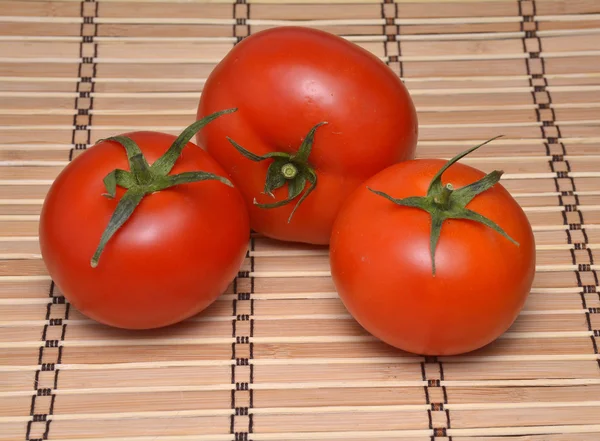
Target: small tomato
[[432, 268], [317, 116], [160, 247]]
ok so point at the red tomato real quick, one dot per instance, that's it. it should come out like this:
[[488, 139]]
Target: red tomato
[[175, 255], [284, 81], [381, 262]]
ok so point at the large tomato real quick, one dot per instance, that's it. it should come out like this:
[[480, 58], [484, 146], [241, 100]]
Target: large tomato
[[387, 240], [285, 81], [174, 255]]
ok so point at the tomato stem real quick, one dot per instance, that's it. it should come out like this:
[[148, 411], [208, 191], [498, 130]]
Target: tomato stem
[[143, 179], [445, 202], [444, 197], [289, 171], [295, 170]]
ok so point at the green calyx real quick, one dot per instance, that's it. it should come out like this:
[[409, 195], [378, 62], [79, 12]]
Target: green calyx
[[143, 179], [294, 170], [445, 202]]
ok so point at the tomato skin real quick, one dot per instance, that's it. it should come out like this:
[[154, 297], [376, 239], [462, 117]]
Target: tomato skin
[[284, 81], [177, 253], [381, 263]]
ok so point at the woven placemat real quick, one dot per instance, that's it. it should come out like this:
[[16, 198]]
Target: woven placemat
[[278, 357]]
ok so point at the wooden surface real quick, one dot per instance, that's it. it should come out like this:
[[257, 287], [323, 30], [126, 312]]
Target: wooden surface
[[278, 357]]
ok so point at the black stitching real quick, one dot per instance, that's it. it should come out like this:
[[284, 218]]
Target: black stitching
[[85, 40], [435, 407], [32, 406], [238, 385], [251, 347], [240, 21], [53, 299], [55, 383], [36, 381], [242, 386]]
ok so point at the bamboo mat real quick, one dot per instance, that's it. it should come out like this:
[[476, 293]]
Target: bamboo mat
[[278, 357]]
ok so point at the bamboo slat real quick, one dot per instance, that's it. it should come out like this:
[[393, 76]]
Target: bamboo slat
[[277, 357]]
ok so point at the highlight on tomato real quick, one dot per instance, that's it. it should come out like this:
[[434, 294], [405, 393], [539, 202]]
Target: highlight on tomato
[[429, 266], [318, 115], [143, 229]]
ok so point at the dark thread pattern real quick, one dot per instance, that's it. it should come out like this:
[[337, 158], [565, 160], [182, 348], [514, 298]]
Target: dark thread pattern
[[84, 102], [242, 331], [391, 32], [241, 13], [50, 349], [550, 132], [428, 367], [57, 310]]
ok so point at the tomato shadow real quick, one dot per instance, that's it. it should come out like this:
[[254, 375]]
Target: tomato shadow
[[207, 324]]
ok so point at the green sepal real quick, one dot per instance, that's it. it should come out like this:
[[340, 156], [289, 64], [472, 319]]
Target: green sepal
[[127, 204], [413, 201], [119, 177], [143, 180], [436, 183], [300, 171], [164, 182], [164, 164], [295, 186], [137, 162], [443, 202], [437, 219], [140, 169], [312, 178], [467, 193], [307, 144], [472, 215], [256, 158], [275, 178]]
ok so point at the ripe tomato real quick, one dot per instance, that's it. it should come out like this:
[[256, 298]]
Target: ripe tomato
[[176, 254], [285, 81], [382, 256]]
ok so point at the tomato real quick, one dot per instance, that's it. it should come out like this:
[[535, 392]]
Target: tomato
[[286, 81], [175, 254], [383, 253]]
